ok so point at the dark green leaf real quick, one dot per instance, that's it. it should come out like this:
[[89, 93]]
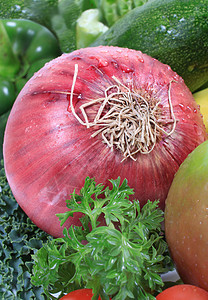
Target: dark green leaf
[[19, 239]]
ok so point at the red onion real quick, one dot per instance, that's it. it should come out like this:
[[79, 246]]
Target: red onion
[[142, 126]]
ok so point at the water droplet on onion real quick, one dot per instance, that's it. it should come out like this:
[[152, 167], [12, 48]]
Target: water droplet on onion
[[140, 59], [126, 69], [102, 63]]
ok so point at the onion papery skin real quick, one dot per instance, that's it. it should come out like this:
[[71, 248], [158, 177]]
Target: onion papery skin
[[48, 153]]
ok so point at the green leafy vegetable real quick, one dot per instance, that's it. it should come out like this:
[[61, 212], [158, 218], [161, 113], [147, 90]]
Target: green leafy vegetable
[[112, 10], [88, 28], [64, 23], [11, 8], [61, 16], [19, 239], [119, 250]]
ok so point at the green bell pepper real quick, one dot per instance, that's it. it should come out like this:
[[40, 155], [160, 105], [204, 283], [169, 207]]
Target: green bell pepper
[[25, 46]]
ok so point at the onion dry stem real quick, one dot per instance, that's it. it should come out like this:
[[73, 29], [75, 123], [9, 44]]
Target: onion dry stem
[[128, 120]]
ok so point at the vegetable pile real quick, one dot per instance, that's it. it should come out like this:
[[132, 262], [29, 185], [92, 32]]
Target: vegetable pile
[[64, 17], [95, 114]]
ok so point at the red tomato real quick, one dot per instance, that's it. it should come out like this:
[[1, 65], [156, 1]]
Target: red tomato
[[183, 292], [83, 294]]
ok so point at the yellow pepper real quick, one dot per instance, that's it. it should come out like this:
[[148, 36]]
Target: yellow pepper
[[201, 98]]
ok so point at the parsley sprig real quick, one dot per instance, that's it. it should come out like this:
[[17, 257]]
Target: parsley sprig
[[121, 259]]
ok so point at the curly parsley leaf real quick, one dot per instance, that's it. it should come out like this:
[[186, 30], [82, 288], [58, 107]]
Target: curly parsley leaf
[[119, 252], [91, 203]]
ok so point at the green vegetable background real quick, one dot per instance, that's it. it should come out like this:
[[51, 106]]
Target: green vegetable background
[[41, 31], [25, 47], [19, 239], [61, 16]]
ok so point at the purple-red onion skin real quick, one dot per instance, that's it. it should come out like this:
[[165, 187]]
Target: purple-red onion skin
[[48, 153]]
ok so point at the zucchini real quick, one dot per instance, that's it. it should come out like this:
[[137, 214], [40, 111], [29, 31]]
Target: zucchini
[[172, 31]]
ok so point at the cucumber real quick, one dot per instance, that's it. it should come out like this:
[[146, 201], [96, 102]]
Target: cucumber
[[172, 31]]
